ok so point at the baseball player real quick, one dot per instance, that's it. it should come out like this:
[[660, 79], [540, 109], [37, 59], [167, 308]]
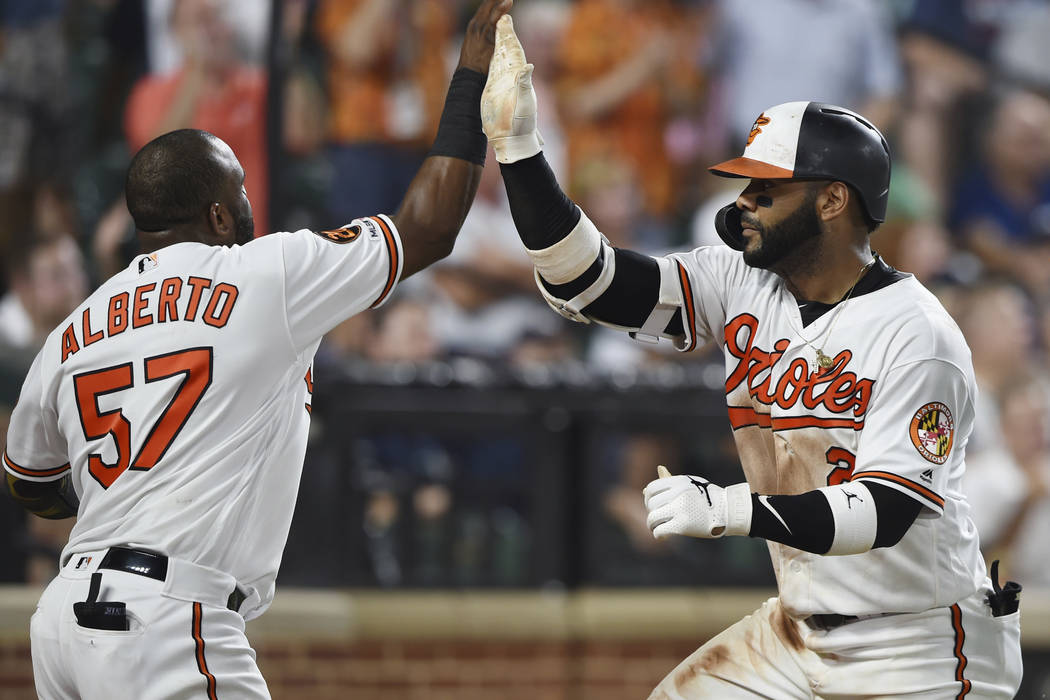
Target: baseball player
[[169, 412], [851, 397]]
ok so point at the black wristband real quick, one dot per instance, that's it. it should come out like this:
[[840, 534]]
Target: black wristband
[[459, 132]]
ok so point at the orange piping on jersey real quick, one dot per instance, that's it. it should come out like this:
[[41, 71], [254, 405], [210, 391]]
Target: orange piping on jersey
[[743, 416], [31, 472], [391, 245], [795, 422], [687, 295], [917, 488], [960, 666], [202, 665]]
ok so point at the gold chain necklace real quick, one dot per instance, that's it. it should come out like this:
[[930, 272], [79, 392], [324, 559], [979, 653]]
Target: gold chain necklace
[[824, 360]]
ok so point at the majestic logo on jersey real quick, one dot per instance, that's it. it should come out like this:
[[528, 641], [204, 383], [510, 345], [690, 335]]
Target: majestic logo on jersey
[[932, 430], [341, 235], [756, 128], [836, 389]]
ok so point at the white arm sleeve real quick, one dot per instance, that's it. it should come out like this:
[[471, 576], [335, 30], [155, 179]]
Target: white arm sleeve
[[856, 518]]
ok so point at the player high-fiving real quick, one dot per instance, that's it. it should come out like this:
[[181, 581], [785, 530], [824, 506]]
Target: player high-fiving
[[851, 396], [174, 405]]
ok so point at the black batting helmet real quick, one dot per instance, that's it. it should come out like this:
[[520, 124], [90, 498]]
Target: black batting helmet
[[811, 141]]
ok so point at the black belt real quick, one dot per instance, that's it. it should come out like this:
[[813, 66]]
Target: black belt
[[829, 621], [155, 566]]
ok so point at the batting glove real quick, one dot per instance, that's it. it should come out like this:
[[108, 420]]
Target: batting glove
[[693, 506], [508, 103]]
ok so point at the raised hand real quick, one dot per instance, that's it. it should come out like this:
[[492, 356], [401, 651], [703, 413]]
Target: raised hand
[[508, 104], [480, 37]]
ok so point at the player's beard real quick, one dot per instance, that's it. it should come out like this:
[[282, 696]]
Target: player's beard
[[788, 237], [244, 227]]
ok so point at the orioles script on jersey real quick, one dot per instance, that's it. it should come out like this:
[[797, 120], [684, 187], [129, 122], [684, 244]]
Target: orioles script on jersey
[[174, 299], [836, 389]]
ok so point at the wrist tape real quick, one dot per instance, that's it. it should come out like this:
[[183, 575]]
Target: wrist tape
[[459, 132]]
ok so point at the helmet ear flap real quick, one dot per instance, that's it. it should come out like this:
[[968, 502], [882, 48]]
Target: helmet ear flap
[[727, 224]]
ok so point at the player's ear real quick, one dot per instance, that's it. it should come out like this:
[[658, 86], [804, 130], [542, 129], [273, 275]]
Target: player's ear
[[220, 221], [832, 201]]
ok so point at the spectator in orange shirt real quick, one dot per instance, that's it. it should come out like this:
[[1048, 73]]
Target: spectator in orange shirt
[[628, 65], [386, 74], [214, 90]]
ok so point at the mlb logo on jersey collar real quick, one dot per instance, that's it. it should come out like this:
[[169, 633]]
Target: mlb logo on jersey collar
[[148, 263]]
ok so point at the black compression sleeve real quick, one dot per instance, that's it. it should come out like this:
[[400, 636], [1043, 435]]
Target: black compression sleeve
[[810, 526], [808, 522], [542, 213], [896, 512]]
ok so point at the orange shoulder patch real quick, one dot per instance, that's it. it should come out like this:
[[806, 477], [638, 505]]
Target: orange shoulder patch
[[341, 235]]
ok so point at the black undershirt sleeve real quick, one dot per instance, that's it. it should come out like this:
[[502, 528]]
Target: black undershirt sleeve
[[544, 215], [810, 525]]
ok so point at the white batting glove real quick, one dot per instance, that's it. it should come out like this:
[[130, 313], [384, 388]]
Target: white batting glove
[[508, 104], [693, 506]]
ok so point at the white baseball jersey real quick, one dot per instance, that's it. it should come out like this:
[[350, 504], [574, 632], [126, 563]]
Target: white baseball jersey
[[896, 407], [178, 393]]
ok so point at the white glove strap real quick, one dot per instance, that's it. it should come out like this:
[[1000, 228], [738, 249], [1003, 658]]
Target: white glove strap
[[856, 518], [738, 509], [511, 149]]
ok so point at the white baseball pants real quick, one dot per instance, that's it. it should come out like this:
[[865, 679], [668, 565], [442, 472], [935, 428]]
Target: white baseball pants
[[950, 653], [183, 641]]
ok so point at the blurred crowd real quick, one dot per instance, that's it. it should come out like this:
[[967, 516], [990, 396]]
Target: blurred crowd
[[331, 104]]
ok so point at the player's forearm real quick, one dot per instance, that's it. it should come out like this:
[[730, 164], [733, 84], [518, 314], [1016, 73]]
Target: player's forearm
[[53, 500], [835, 520], [545, 217], [433, 209], [438, 198]]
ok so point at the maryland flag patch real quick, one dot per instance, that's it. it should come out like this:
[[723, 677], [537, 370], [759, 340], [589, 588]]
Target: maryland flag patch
[[932, 431], [341, 235]]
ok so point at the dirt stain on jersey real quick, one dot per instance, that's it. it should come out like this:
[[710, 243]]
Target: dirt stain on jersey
[[801, 462], [787, 630], [712, 659]]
